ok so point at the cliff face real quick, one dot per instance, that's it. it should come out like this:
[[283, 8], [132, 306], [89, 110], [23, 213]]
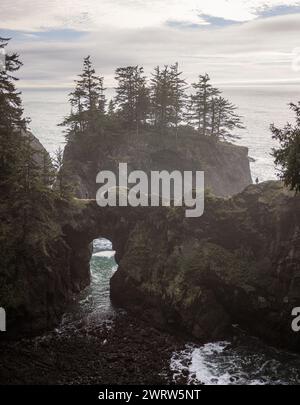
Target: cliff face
[[37, 275], [237, 264], [226, 166], [37, 285], [37, 292]]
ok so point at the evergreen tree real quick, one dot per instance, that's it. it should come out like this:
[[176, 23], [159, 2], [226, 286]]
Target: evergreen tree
[[111, 111], [87, 102], [26, 196], [210, 113], [12, 126], [76, 120], [224, 119], [162, 97], [47, 169], [132, 97], [92, 89], [63, 174], [178, 96], [287, 156], [200, 111], [11, 111]]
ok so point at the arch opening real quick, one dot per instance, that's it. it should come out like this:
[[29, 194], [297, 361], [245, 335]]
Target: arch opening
[[102, 267], [93, 305]]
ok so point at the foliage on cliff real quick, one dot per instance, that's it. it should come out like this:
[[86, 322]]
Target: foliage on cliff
[[160, 105], [287, 156], [30, 226]]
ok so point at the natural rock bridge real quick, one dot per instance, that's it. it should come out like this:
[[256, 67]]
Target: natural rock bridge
[[238, 263], [92, 222]]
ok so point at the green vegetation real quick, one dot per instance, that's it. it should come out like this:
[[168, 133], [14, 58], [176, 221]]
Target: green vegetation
[[28, 187], [87, 102], [132, 97], [212, 114], [160, 105], [287, 156]]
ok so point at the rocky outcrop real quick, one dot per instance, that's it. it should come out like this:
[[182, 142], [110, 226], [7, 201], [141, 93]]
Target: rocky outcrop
[[237, 264], [38, 285], [40, 152], [37, 274], [226, 166]]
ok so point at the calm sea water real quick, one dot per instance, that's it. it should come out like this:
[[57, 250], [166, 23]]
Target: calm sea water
[[259, 106]]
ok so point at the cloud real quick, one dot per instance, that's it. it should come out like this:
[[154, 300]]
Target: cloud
[[185, 24], [217, 21], [269, 11], [93, 15], [232, 41]]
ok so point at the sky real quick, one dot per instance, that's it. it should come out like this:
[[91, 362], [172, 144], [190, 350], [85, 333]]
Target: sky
[[237, 42]]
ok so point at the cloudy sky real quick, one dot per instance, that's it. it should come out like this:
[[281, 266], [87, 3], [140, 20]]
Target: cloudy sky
[[235, 41]]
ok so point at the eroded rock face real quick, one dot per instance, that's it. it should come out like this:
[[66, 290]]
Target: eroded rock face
[[226, 166], [35, 283], [237, 264]]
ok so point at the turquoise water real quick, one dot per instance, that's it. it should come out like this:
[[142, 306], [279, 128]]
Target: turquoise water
[[248, 362], [93, 305]]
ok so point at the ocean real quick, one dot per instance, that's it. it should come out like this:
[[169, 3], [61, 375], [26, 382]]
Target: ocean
[[259, 107]]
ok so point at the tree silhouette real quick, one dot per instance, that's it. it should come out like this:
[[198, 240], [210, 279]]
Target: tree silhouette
[[287, 156]]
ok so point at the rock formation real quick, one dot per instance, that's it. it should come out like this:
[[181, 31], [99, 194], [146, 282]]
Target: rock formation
[[237, 264], [226, 166]]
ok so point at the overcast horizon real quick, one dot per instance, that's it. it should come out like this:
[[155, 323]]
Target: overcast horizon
[[237, 42]]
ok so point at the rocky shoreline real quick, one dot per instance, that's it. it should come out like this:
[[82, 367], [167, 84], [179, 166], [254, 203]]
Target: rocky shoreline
[[128, 351]]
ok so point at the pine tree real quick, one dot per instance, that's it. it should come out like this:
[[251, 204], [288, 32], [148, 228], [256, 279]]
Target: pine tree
[[111, 111], [162, 98], [132, 99], [47, 169], [92, 89], [287, 156], [26, 195], [224, 119], [87, 103], [63, 174], [210, 113], [200, 104], [12, 126], [77, 119], [11, 111], [179, 86]]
